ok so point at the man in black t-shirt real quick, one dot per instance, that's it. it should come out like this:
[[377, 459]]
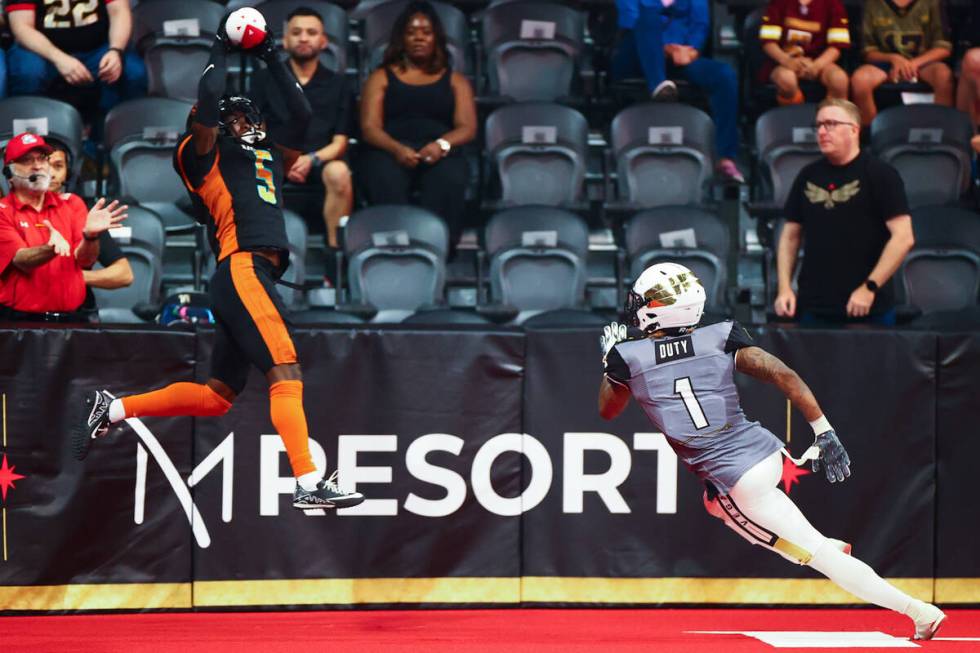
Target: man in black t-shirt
[[325, 140], [82, 41], [852, 212]]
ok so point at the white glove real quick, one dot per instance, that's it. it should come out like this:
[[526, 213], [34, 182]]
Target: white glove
[[611, 334]]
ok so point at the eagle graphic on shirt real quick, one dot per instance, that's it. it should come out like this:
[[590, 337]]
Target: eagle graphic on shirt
[[831, 196]]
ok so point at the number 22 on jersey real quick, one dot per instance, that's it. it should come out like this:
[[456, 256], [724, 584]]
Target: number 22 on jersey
[[265, 183], [682, 387]]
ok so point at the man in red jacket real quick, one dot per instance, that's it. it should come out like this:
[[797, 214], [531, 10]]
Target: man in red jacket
[[45, 241]]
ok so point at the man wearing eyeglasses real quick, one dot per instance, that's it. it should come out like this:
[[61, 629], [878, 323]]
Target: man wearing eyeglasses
[[46, 240], [851, 211]]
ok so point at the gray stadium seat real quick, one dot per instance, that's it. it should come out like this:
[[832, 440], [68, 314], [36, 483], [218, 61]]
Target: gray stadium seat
[[532, 49], [786, 141], [298, 235], [140, 136], [164, 33], [116, 305], [656, 236], [147, 230], [942, 272], [445, 316], [335, 24], [930, 147], [537, 260], [664, 154], [323, 316], [538, 152], [396, 260], [380, 17], [50, 118]]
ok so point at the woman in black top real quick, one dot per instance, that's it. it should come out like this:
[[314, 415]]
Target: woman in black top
[[415, 114]]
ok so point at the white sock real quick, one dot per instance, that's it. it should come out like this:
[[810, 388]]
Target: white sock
[[116, 411], [859, 579], [309, 480]]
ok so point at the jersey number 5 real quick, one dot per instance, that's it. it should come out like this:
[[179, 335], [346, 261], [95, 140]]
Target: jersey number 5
[[266, 185], [682, 387]]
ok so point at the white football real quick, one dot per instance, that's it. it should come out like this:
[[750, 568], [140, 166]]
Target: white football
[[245, 27]]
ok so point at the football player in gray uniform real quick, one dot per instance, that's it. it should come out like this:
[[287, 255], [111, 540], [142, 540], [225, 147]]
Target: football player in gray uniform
[[683, 379]]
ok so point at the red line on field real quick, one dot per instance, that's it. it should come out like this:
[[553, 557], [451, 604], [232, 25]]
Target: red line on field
[[463, 631]]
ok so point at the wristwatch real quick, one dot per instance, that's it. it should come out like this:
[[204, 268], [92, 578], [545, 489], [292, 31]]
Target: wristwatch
[[444, 145], [871, 285], [314, 159]]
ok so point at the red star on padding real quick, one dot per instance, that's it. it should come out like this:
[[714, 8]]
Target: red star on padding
[[7, 477], [792, 474]]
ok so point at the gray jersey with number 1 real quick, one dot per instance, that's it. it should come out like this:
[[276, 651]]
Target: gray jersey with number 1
[[685, 385]]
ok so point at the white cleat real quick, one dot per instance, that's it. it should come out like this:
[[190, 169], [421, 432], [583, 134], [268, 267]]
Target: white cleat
[[927, 618]]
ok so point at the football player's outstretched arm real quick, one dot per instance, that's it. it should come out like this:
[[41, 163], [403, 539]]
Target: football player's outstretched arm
[[613, 398], [210, 88], [760, 364]]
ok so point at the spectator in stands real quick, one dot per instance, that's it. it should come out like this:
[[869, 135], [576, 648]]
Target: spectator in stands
[[803, 39], [904, 41], [664, 39], [45, 241], [3, 59], [116, 271], [968, 90], [325, 140], [81, 41], [851, 209], [415, 114]]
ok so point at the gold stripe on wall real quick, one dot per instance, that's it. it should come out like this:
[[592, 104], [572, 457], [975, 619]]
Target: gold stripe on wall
[[352, 591], [701, 590], [958, 590], [108, 596], [532, 589]]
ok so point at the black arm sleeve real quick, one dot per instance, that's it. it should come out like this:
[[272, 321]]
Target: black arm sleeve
[[109, 250], [617, 370], [738, 338], [212, 86], [297, 105]]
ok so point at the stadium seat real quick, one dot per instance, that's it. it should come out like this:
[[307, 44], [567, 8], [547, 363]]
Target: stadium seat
[[396, 261], [50, 118], [532, 49], [175, 37], [298, 235], [786, 141], [687, 235], [664, 154], [378, 21], [146, 229], [445, 316], [930, 147], [942, 272], [319, 316], [116, 305], [140, 136], [537, 150], [335, 24], [537, 260]]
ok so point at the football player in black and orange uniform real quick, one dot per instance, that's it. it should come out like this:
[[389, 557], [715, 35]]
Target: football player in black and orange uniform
[[234, 174]]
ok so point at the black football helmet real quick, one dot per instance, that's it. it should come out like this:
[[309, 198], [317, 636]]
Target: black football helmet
[[230, 104]]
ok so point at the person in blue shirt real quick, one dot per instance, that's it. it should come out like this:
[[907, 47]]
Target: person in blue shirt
[[660, 39]]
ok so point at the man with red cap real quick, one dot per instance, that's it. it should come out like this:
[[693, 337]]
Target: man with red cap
[[45, 241]]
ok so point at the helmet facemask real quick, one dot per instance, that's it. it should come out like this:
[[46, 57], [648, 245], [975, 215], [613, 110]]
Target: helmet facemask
[[229, 106]]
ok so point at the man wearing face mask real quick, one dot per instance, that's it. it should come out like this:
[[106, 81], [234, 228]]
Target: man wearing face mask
[[45, 240]]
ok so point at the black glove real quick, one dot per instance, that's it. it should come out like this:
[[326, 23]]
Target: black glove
[[267, 50], [221, 35], [836, 462]]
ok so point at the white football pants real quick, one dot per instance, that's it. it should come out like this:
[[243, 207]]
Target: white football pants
[[760, 512]]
